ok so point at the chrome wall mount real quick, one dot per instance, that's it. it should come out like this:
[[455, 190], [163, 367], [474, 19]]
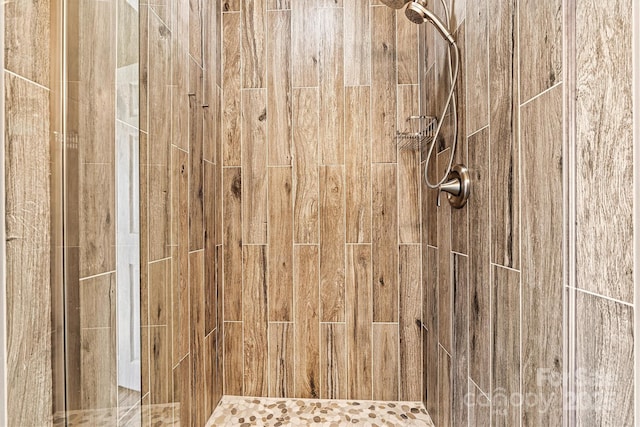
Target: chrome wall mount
[[457, 186]]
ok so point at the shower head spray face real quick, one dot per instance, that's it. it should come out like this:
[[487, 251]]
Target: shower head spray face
[[395, 4], [419, 14]]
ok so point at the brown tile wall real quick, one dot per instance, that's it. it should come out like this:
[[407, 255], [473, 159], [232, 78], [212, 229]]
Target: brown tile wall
[[181, 175], [497, 274], [321, 216]]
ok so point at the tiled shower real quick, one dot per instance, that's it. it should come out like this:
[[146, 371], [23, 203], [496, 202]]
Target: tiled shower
[[238, 160]]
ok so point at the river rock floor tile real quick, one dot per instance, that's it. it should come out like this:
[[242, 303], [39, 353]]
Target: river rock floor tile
[[249, 411]]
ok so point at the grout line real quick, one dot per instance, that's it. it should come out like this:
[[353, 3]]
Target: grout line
[[18, 76], [584, 291], [493, 264], [479, 389], [636, 191], [541, 94], [477, 131], [489, 220], [519, 180], [106, 273]]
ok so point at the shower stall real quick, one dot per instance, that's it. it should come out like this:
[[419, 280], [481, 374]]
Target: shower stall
[[220, 212]]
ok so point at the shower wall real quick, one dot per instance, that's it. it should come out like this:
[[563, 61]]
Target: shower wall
[[181, 170], [321, 211], [528, 290]]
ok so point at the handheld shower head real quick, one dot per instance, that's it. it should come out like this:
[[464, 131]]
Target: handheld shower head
[[395, 4], [419, 14]]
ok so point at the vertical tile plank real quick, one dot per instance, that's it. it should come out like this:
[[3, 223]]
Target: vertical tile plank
[[279, 87], [409, 171], [331, 83], [231, 5], [232, 237], [255, 318], [196, 171], [357, 164], [479, 262], [307, 321], [254, 166], [383, 84], [445, 296], [505, 237], [231, 99], [332, 244], [159, 277], [359, 319], [604, 354], [195, 31], [280, 258], [385, 361], [410, 331], [505, 319], [211, 265], [604, 111], [407, 54], [479, 407], [444, 388], [181, 383], [98, 369], [281, 359], [476, 57], [357, 43], [160, 364], [233, 355], [540, 35], [305, 44], [333, 361], [196, 345], [542, 256], [305, 169], [430, 319], [254, 33], [460, 339]]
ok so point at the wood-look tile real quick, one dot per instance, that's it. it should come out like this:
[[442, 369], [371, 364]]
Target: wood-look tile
[[505, 169], [445, 389], [307, 321], [278, 4], [445, 294], [255, 317], [385, 243], [210, 250], [96, 217], [97, 301], [357, 43], [429, 198], [160, 385], [231, 99], [333, 361], [254, 166], [331, 84], [26, 40], [159, 91], [332, 244], [505, 323], [305, 52], [479, 407], [383, 84], [305, 170], [143, 60], [477, 55], [407, 50], [359, 319], [280, 257], [410, 283], [196, 172], [218, 389], [357, 164], [430, 321], [279, 87], [232, 238], [281, 359], [195, 32], [254, 33], [209, 373], [460, 360], [385, 361], [479, 261], [159, 297], [231, 5], [540, 37], [409, 171], [604, 360], [542, 253], [27, 222], [98, 368], [181, 384], [604, 111], [196, 329], [233, 354]]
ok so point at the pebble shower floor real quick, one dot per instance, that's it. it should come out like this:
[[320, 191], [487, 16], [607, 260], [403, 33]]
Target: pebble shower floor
[[248, 411]]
